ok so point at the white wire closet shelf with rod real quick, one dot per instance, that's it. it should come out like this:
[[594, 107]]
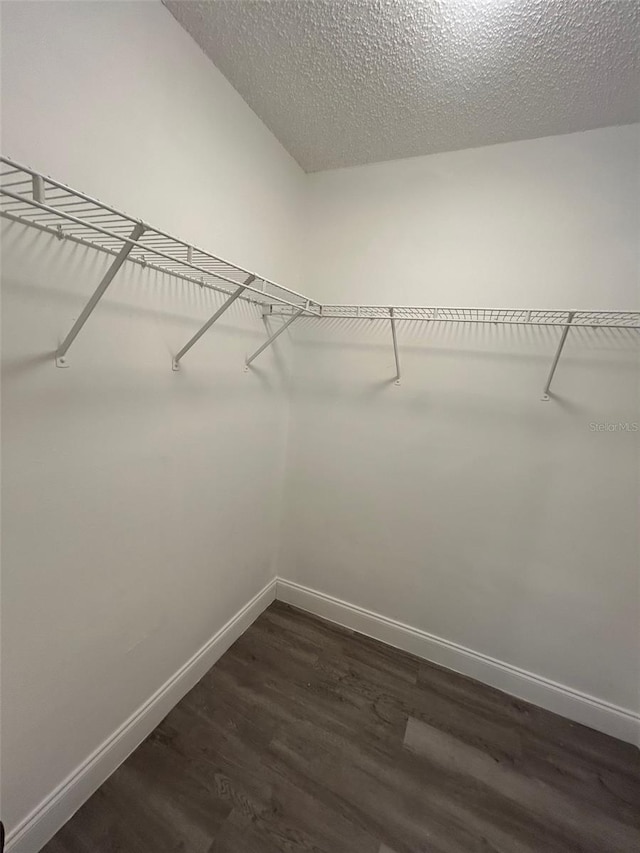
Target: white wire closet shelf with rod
[[34, 199]]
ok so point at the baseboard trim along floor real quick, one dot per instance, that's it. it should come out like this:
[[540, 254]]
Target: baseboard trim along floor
[[588, 710], [47, 818]]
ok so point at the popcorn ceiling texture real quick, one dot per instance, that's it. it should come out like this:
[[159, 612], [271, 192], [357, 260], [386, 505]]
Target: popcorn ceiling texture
[[343, 83]]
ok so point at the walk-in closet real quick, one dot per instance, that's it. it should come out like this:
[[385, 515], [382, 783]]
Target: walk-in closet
[[320, 426]]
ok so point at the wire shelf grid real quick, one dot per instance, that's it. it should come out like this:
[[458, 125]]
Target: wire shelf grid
[[36, 200], [510, 316], [33, 199]]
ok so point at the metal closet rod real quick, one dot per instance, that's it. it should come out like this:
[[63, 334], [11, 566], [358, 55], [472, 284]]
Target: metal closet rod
[[272, 304]]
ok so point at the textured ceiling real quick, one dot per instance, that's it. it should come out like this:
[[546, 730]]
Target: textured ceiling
[[343, 82]]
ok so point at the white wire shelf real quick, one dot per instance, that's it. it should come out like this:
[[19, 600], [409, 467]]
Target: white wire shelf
[[509, 316], [36, 200]]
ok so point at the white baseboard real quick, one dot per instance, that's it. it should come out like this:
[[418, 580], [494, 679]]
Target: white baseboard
[[45, 820], [588, 710]]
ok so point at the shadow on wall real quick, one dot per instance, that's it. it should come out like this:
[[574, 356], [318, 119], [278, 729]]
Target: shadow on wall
[[55, 282], [65, 263], [359, 333], [354, 358]]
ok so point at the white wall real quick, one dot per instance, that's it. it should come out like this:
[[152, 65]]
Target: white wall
[[459, 503], [140, 506], [547, 223], [117, 100]]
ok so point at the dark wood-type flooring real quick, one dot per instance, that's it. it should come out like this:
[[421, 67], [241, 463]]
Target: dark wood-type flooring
[[307, 737]]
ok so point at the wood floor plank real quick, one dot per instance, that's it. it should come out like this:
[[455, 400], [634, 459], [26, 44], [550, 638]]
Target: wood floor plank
[[240, 833], [542, 800], [308, 737]]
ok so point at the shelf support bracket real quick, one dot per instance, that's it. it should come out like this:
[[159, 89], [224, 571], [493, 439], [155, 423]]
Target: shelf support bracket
[[120, 258], [274, 336], [556, 359], [395, 345], [225, 305]]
